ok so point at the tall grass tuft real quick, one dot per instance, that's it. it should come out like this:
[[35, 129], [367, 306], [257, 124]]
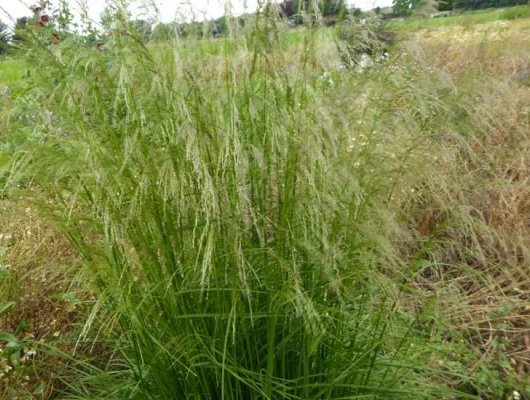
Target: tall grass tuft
[[237, 236]]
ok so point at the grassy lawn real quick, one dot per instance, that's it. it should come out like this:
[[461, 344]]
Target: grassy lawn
[[465, 19], [11, 70]]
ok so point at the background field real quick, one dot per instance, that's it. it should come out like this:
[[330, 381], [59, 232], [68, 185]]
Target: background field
[[465, 18]]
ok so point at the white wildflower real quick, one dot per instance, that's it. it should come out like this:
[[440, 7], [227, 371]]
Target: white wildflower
[[48, 115], [327, 78], [365, 62], [31, 353]]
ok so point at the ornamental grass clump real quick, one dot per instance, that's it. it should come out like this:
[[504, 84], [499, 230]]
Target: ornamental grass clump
[[235, 233]]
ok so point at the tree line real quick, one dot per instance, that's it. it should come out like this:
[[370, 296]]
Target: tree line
[[210, 28], [295, 11]]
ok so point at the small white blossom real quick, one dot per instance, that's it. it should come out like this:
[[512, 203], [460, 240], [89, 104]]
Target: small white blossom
[[365, 62], [31, 353], [48, 115], [327, 78]]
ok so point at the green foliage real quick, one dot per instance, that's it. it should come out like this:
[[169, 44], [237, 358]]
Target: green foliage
[[446, 5], [142, 29], [325, 7], [467, 19], [516, 12], [483, 4], [20, 28], [161, 32], [425, 8], [5, 37], [403, 8], [301, 9], [360, 41], [407, 7], [235, 252]]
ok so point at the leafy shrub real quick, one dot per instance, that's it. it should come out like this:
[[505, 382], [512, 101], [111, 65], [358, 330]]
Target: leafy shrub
[[360, 40]]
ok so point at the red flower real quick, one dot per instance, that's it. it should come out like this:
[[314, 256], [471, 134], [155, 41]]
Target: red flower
[[45, 19], [37, 10]]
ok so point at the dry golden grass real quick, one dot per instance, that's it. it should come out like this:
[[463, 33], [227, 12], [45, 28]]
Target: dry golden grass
[[486, 188], [40, 276]]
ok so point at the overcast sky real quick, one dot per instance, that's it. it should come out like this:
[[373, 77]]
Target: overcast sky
[[168, 8]]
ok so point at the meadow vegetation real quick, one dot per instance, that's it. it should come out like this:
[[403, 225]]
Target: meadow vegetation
[[465, 19], [320, 214]]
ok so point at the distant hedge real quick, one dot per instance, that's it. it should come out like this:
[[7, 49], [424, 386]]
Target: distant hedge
[[481, 4]]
